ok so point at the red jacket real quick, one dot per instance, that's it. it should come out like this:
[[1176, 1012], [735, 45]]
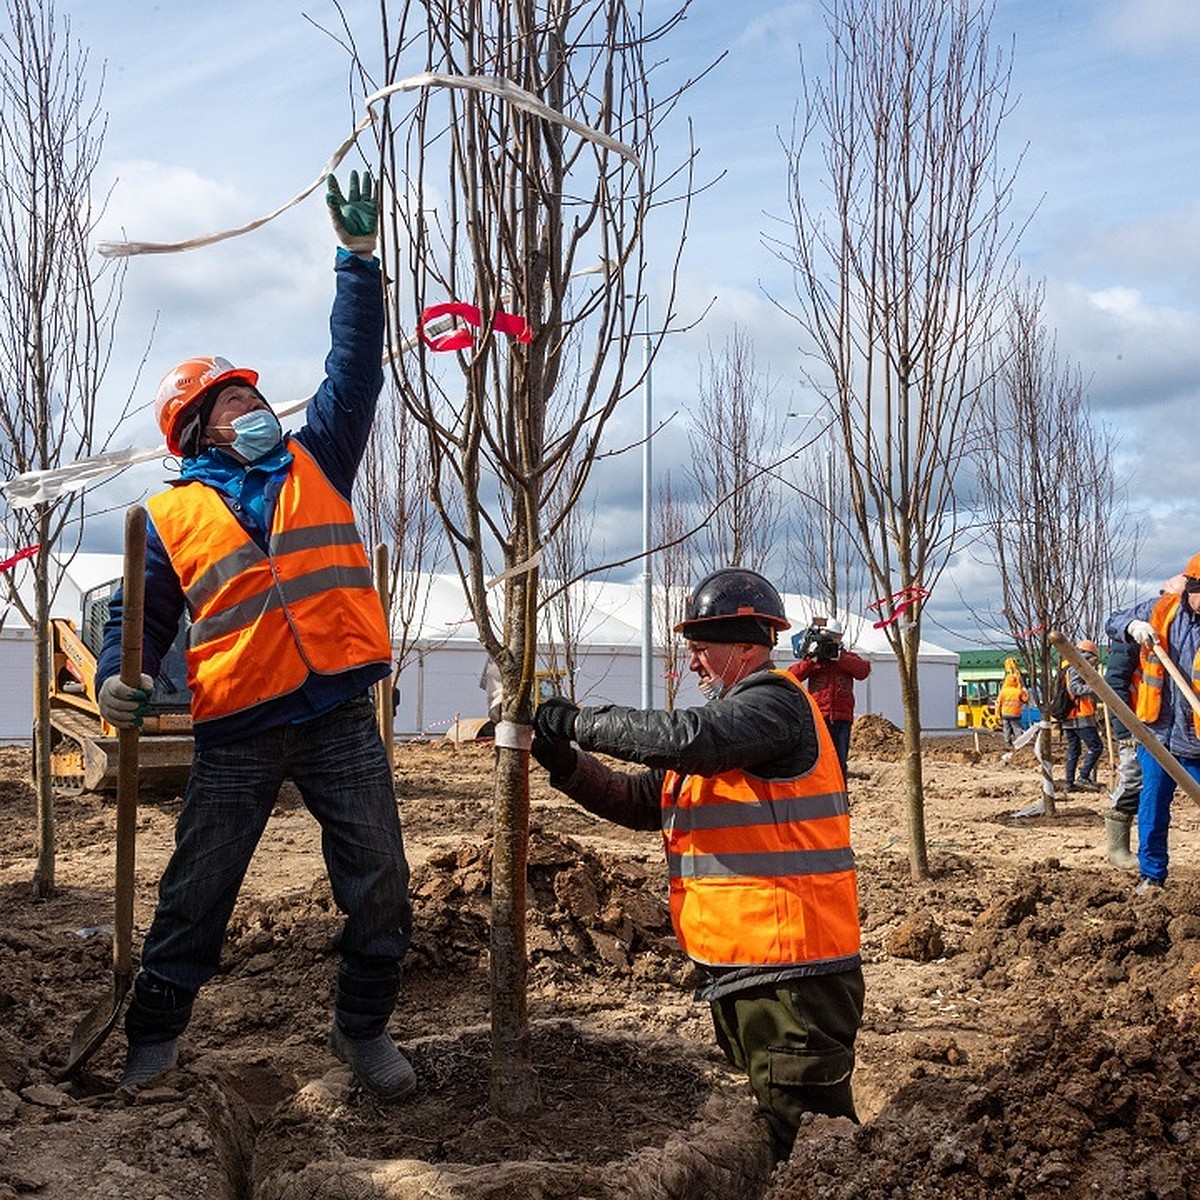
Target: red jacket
[[831, 684]]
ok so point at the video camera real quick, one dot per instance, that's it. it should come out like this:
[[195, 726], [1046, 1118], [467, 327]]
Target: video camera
[[818, 642]]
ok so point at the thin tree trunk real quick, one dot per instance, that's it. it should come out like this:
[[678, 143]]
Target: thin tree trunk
[[513, 1085], [914, 785], [43, 872]]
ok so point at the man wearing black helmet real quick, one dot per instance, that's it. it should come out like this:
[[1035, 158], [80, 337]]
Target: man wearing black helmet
[[751, 802]]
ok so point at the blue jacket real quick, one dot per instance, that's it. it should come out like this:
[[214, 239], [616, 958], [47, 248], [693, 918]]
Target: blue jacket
[[339, 419], [1174, 727]]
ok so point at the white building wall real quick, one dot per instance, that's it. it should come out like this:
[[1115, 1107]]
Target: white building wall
[[16, 685], [443, 681]]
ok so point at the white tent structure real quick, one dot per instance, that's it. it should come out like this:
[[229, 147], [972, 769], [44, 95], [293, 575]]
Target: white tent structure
[[441, 682]]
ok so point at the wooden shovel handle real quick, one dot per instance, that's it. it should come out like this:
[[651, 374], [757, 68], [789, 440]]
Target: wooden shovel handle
[[133, 594]]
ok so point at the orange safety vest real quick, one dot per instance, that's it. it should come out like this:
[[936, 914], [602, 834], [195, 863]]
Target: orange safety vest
[[761, 869], [261, 621], [1084, 706], [1147, 681], [1012, 699]]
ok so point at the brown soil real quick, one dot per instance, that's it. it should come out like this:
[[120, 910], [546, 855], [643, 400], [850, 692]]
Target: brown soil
[[1030, 1028]]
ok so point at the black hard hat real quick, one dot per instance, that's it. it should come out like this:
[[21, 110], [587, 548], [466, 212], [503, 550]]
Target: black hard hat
[[733, 592]]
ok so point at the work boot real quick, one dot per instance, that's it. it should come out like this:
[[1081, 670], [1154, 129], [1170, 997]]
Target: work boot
[[376, 1062], [1147, 886], [148, 1060], [1118, 826], [1086, 785]]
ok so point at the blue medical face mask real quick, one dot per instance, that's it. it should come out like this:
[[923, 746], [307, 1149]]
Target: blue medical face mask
[[255, 434]]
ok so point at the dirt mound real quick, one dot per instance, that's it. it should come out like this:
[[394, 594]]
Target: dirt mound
[[601, 913], [874, 736], [969, 1080], [1070, 1111]]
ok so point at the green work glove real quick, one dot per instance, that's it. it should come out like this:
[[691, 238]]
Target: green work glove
[[122, 705], [355, 220]]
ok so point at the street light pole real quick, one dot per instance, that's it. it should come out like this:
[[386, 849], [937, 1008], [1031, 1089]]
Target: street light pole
[[647, 580]]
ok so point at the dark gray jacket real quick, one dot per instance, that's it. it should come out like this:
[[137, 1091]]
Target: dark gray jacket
[[764, 725]]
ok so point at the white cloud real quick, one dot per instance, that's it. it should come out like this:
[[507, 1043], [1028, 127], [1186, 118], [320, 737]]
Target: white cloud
[[1151, 26], [783, 23], [1133, 354]]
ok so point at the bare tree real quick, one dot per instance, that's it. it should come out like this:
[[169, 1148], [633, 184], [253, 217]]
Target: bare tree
[[498, 205], [566, 609], [735, 429], [394, 499], [672, 562], [897, 279], [60, 303], [1052, 517], [823, 557]]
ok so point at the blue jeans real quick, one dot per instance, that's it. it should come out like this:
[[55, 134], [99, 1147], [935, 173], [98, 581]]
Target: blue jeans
[[840, 732], [1088, 735], [1154, 812], [339, 766]]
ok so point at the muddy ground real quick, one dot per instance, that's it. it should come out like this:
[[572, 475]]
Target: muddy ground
[[1030, 1027]]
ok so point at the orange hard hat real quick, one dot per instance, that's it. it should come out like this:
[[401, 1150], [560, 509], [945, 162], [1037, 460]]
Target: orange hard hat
[[1192, 570], [184, 386], [1089, 646]]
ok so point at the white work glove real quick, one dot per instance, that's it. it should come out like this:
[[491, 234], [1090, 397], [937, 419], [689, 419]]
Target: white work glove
[[1141, 632], [123, 706]]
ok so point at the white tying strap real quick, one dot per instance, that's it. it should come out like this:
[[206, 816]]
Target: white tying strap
[[512, 736], [496, 86]]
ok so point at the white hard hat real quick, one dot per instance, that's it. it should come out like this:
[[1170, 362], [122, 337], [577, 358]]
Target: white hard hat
[[834, 628]]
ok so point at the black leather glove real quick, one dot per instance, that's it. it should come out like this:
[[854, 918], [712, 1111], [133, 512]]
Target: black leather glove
[[556, 756], [555, 720]]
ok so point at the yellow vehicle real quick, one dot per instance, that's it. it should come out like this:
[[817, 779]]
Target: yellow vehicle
[[82, 744], [977, 706]]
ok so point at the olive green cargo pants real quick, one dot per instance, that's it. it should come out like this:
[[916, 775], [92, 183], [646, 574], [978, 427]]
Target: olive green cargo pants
[[795, 1041]]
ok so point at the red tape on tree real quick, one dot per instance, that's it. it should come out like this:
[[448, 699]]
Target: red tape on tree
[[28, 552], [462, 338], [900, 602]]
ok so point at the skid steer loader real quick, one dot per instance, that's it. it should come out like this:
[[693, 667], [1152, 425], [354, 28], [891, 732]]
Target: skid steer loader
[[82, 744]]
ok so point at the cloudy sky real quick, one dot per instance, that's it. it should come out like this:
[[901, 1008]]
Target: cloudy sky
[[219, 112]]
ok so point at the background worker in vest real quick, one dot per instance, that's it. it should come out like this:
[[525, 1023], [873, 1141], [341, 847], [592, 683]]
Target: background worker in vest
[[1173, 619], [1119, 670], [1079, 727], [751, 802], [1011, 701], [829, 670], [282, 654]]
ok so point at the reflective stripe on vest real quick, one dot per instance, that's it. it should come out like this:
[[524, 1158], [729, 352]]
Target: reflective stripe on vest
[[262, 621], [1147, 681], [761, 870]]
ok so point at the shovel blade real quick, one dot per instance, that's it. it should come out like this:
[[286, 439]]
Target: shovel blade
[[91, 1031]]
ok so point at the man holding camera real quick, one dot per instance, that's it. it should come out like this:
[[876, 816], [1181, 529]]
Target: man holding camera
[[830, 671]]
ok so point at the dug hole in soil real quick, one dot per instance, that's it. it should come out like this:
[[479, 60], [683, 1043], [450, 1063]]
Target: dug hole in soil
[[1030, 1026]]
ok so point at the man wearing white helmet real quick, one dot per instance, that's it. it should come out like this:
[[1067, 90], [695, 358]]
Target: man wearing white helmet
[[830, 670], [256, 541]]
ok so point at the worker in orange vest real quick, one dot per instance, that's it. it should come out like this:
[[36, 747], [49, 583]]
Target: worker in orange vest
[[751, 802], [1011, 701], [257, 542]]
